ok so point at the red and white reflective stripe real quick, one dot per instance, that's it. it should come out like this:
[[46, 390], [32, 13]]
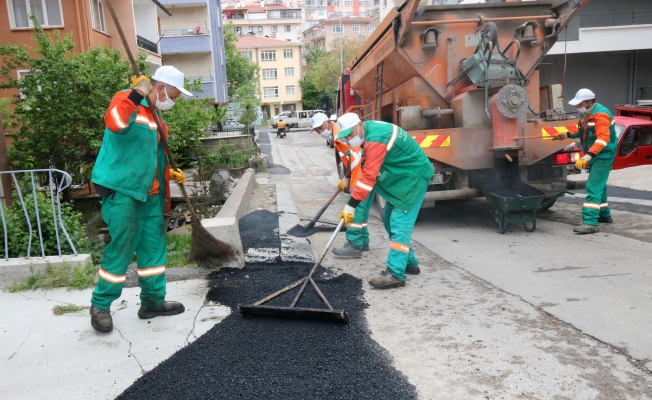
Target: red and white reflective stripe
[[364, 187], [591, 124], [392, 140], [355, 226], [613, 122], [602, 142], [604, 205], [143, 119], [592, 205], [399, 247], [357, 157], [151, 271], [116, 118], [110, 277]]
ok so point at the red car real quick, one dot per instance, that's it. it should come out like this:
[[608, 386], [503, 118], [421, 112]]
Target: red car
[[634, 132]]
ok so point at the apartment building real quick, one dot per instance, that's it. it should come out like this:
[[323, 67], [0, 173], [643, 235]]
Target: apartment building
[[329, 31], [317, 10], [280, 64], [275, 21], [88, 21], [192, 40]]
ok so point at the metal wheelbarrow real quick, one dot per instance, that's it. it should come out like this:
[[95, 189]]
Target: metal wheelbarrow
[[518, 202]]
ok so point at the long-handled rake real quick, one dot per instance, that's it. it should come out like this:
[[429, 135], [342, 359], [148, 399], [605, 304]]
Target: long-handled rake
[[259, 307], [205, 247]]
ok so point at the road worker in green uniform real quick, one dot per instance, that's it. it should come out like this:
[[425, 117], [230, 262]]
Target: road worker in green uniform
[[132, 176], [397, 168], [597, 132], [357, 233]]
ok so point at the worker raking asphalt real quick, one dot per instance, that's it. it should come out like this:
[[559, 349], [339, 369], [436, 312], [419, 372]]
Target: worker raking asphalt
[[246, 357]]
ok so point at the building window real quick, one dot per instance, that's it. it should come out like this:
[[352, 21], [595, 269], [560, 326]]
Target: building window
[[268, 55], [238, 31], [47, 12], [269, 74], [370, 28], [349, 14], [289, 71], [355, 28], [289, 90], [246, 54], [338, 4], [286, 28], [270, 91], [300, 4], [348, 4], [22, 74], [336, 14], [362, 3], [258, 30], [338, 29], [274, 28], [97, 12], [288, 53]]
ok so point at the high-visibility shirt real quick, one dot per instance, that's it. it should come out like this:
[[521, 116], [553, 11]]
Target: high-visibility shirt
[[281, 124]]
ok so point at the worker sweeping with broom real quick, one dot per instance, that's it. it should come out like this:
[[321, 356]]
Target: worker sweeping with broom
[[395, 166], [357, 235], [132, 176]]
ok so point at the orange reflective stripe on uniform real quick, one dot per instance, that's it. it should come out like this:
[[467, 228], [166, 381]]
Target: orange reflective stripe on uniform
[[364, 187], [144, 120], [592, 205], [399, 247], [151, 271], [110, 277]]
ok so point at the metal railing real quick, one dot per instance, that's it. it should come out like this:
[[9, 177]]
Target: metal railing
[[621, 18], [146, 44], [204, 79], [184, 32], [64, 182]]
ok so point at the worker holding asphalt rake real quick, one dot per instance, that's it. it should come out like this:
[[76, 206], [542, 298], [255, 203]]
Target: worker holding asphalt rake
[[395, 166], [357, 234], [597, 132], [132, 176]]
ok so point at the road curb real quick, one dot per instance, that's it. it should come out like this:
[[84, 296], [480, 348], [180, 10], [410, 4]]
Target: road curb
[[225, 225], [16, 270]]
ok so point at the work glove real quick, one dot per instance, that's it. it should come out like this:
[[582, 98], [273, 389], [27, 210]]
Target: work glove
[[343, 184], [348, 213], [560, 136], [177, 175], [581, 163], [141, 84]]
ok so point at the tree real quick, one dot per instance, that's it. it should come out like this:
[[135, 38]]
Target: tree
[[59, 113], [5, 112], [241, 73], [310, 96]]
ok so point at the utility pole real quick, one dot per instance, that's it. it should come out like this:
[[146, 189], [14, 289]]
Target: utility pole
[[4, 166]]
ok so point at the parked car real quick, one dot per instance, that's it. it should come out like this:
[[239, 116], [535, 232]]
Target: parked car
[[294, 119], [634, 142]]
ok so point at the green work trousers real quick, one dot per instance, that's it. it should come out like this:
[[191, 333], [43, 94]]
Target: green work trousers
[[356, 231], [595, 203], [399, 225], [139, 227]]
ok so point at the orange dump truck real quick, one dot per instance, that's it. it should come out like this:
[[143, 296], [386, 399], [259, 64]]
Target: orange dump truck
[[463, 81]]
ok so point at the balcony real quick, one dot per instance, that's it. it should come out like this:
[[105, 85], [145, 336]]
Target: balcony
[[146, 44], [284, 14], [180, 41], [207, 85], [183, 3]]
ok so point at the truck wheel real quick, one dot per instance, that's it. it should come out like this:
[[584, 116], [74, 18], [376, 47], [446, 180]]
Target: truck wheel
[[381, 203]]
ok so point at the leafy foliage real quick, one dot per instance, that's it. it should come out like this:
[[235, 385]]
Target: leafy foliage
[[178, 250], [67, 309], [310, 95], [241, 73], [60, 114]]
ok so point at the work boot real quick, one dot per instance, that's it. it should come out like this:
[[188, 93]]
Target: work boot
[[365, 247], [101, 320], [412, 270], [585, 229], [606, 220], [348, 251], [168, 308], [386, 281]]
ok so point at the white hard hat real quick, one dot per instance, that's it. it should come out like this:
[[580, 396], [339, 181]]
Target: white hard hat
[[345, 123], [318, 120], [582, 94], [172, 76]]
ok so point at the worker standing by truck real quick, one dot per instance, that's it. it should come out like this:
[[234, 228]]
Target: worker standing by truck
[[396, 167], [131, 175], [597, 132], [357, 234]]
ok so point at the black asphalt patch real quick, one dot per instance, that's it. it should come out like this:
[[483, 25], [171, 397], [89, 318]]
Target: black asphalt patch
[[266, 147], [251, 357], [302, 231], [259, 229], [615, 191]]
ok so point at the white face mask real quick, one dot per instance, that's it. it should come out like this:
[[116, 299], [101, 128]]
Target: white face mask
[[164, 105], [358, 140], [326, 133], [584, 110]]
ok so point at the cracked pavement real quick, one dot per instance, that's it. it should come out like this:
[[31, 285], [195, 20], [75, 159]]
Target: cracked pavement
[[63, 357]]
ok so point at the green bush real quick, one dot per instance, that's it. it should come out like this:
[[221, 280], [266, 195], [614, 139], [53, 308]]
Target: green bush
[[18, 227]]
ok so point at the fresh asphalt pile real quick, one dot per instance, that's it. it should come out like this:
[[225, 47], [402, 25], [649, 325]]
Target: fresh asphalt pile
[[259, 229], [247, 357]]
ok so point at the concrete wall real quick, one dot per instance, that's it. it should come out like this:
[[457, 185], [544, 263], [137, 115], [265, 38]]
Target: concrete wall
[[608, 74], [195, 64], [185, 17], [146, 21]]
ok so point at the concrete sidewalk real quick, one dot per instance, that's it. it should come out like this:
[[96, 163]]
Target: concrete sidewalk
[[637, 178], [63, 357]]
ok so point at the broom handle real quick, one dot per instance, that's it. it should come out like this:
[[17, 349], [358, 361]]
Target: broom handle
[[161, 133]]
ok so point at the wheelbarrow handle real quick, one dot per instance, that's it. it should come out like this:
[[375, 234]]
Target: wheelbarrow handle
[[553, 198]]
